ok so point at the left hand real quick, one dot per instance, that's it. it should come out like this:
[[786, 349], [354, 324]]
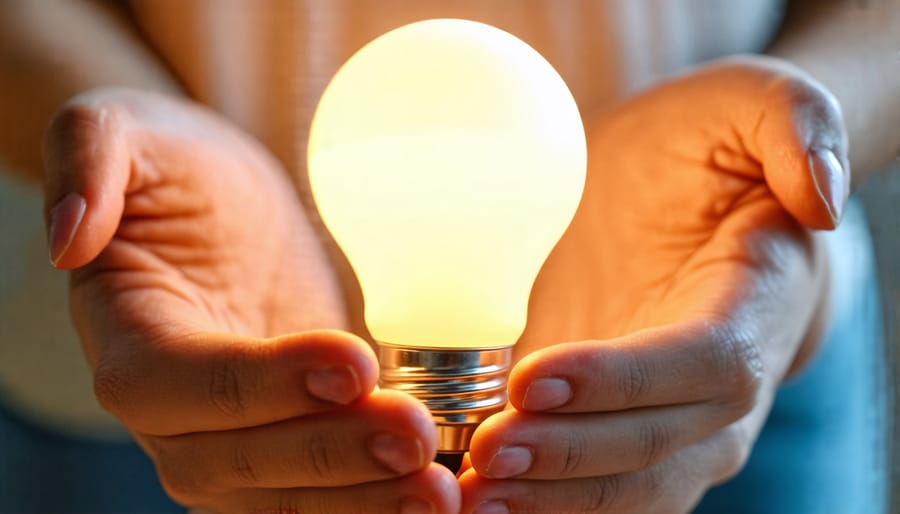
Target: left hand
[[689, 287]]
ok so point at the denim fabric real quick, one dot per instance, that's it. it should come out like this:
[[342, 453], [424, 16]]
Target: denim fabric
[[42, 472], [822, 451]]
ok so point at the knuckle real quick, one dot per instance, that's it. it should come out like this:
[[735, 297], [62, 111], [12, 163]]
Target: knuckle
[[738, 366], [225, 390], [653, 440], [634, 380], [114, 390], [243, 468], [602, 494], [573, 456], [321, 458], [233, 384]]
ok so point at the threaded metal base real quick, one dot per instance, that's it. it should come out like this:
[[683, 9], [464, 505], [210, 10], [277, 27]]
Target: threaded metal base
[[460, 387]]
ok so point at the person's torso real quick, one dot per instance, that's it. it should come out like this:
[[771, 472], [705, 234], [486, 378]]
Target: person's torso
[[264, 64]]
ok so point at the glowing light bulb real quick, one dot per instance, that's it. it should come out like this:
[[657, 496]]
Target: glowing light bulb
[[446, 158]]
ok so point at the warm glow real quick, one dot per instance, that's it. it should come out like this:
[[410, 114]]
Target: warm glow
[[446, 158]]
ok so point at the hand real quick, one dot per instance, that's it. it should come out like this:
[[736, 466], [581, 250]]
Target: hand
[[687, 288], [199, 280]]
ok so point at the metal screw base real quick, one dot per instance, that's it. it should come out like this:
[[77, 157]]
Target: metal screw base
[[461, 387]]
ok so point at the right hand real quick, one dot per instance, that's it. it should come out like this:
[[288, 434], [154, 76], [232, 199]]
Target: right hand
[[197, 282]]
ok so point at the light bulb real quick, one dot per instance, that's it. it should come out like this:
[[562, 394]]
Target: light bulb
[[446, 158]]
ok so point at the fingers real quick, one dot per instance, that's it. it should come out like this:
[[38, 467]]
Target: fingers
[[87, 171], [515, 444], [383, 436], [675, 364], [433, 490], [715, 344], [210, 382], [786, 121], [803, 143], [92, 151], [675, 485]]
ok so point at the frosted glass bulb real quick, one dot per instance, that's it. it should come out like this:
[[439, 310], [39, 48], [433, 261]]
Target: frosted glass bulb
[[446, 158]]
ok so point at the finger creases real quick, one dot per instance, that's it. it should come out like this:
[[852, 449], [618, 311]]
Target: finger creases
[[382, 437], [670, 365], [731, 319], [212, 382], [783, 118], [514, 444], [433, 489], [675, 484]]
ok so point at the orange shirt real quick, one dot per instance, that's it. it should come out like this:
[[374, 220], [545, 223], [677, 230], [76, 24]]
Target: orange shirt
[[264, 64]]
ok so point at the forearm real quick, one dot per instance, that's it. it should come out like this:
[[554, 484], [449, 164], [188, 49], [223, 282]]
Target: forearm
[[852, 48], [51, 50]]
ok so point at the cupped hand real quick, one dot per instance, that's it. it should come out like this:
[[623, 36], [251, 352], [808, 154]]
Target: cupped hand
[[687, 288], [199, 290]]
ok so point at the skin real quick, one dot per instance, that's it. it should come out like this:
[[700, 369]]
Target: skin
[[201, 309], [669, 286], [198, 290], [705, 278]]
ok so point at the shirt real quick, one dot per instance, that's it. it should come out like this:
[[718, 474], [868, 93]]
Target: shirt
[[264, 65]]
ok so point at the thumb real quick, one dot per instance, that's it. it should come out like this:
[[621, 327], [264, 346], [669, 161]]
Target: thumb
[[803, 144], [87, 171], [791, 125]]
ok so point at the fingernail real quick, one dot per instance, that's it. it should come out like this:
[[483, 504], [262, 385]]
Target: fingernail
[[492, 507], [338, 384], [547, 393], [509, 462], [400, 454], [65, 218], [413, 505], [832, 183]]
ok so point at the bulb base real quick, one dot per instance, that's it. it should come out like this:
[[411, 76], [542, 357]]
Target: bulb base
[[461, 387]]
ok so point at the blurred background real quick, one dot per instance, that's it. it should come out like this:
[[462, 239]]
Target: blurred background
[[881, 197], [61, 401]]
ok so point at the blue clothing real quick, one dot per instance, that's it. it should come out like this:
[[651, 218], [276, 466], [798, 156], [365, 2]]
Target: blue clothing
[[822, 450], [42, 472]]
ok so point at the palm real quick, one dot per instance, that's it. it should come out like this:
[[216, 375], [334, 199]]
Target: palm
[[674, 224], [212, 238]]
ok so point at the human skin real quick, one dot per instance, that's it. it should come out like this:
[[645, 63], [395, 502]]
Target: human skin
[[778, 232], [686, 229], [199, 291], [684, 292], [630, 436]]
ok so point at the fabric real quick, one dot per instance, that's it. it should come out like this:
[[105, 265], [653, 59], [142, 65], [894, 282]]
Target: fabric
[[264, 67], [44, 377], [45, 472], [824, 447]]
